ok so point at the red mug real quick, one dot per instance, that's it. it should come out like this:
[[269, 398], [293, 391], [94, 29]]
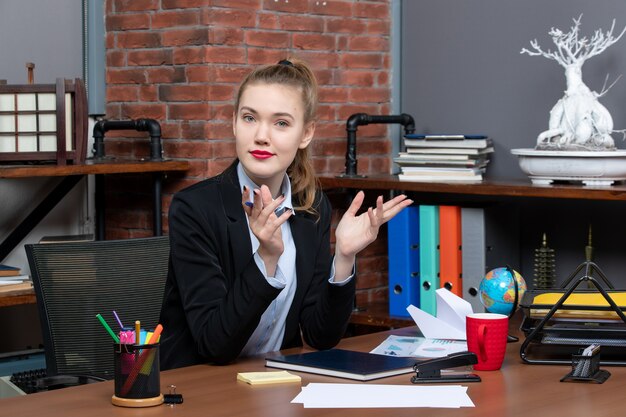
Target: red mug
[[486, 337]]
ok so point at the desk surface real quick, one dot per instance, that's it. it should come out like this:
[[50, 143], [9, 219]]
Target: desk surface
[[517, 390]]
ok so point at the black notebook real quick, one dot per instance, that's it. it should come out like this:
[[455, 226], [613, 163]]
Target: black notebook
[[344, 364]]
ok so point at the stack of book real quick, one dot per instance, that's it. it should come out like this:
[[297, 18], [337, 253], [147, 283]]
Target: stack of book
[[11, 279], [444, 157]]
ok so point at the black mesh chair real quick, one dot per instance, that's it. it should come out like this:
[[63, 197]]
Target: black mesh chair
[[75, 281]]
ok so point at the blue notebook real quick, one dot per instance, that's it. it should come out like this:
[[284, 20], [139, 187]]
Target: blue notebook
[[341, 363]]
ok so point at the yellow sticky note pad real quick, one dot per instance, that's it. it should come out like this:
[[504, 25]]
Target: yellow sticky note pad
[[271, 377]]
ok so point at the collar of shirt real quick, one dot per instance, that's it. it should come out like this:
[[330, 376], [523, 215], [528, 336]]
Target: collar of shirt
[[285, 187]]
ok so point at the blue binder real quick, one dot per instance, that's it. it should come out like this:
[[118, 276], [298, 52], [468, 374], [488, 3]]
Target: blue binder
[[403, 245], [429, 257]]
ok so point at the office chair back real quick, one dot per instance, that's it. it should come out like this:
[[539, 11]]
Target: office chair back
[[75, 281]]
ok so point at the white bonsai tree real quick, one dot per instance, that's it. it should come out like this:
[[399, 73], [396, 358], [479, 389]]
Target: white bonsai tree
[[578, 121]]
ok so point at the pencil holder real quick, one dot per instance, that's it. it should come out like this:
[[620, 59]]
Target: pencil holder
[[587, 368], [137, 375]]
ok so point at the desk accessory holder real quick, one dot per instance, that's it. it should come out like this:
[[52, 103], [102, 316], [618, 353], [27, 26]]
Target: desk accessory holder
[[429, 371], [586, 368], [137, 376], [541, 334]]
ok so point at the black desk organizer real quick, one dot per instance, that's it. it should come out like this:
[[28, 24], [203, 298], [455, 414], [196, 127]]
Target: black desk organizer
[[587, 369], [548, 342]]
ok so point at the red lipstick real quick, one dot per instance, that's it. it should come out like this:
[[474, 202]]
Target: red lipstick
[[258, 154]]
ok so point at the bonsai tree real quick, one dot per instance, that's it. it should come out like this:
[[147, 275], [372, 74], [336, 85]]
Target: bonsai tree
[[577, 121]]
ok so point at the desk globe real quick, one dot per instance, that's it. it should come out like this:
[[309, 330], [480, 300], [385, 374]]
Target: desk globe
[[497, 290]]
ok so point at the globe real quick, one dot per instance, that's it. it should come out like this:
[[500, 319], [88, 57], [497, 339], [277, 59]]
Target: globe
[[497, 290]]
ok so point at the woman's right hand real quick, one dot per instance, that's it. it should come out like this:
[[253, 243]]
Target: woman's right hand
[[265, 225]]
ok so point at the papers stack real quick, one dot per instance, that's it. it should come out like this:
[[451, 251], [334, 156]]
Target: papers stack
[[317, 395]]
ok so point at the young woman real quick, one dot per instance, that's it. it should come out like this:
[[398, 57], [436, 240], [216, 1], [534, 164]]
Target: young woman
[[251, 269]]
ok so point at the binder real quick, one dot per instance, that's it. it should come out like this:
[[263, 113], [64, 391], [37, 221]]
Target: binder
[[403, 246], [490, 238], [450, 257], [429, 257], [473, 255]]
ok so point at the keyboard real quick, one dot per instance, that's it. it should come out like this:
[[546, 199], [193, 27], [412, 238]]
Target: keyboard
[[27, 380]]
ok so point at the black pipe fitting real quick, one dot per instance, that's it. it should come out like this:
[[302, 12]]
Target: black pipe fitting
[[361, 119], [140, 125]]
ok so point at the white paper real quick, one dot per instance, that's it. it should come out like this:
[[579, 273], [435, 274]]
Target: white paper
[[438, 348], [450, 321], [398, 346], [318, 395]]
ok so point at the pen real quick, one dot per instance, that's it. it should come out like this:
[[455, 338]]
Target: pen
[[137, 332], [107, 328], [118, 319], [140, 361]]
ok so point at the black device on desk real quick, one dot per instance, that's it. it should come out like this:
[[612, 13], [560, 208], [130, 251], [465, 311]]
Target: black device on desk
[[429, 371]]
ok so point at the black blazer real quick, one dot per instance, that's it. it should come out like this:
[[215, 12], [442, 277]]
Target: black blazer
[[215, 294]]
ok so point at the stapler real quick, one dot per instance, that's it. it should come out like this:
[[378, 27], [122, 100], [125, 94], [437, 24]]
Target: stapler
[[429, 371]]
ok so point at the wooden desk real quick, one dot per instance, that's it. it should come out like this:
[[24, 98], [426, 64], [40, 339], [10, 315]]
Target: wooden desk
[[72, 174], [516, 390]]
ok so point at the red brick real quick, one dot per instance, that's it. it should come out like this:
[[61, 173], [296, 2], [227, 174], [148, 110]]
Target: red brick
[[326, 113], [188, 111], [138, 40], [269, 39], [196, 149], [170, 130], [122, 93], [381, 27], [333, 95], [229, 73], [365, 95], [268, 21], [238, 4], [224, 149], [229, 17], [184, 4], [370, 10], [116, 58], [284, 6], [125, 76], [148, 93], [361, 60], [189, 55], [368, 43], [135, 5], [262, 56], [225, 55], [357, 78], [222, 112], [149, 111], [113, 111], [315, 42], [127, 22], [166, 75], [351, 26], [185, 37], [193, 130], [220, 35], [219, 130], [220, 92], [150, 57], [334, 8], [189, 92], [198, 73], [320, 59], [174, 19]]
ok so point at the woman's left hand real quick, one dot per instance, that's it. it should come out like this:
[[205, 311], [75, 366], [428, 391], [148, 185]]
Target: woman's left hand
[[354, 232]]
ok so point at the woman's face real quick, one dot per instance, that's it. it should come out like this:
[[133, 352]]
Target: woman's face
[[269, 129]]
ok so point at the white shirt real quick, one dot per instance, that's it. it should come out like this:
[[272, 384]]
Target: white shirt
[[268, 336]]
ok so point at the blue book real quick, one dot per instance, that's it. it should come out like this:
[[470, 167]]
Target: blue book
[[443, 136], [429, 257], [404, 261]]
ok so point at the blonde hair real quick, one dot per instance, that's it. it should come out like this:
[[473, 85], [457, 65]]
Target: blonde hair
[[295, 73]]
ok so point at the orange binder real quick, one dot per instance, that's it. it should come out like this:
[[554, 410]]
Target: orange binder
[[450, 261]]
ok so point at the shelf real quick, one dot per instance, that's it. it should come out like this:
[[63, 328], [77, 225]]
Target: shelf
[[108, 166], [19, 297], [485, 188]]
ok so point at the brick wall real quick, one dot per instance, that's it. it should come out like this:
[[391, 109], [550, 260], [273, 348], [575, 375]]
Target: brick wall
[[180, 61]]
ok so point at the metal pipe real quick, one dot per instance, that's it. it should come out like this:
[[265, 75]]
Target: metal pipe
[[140, 125], [361, 119]]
